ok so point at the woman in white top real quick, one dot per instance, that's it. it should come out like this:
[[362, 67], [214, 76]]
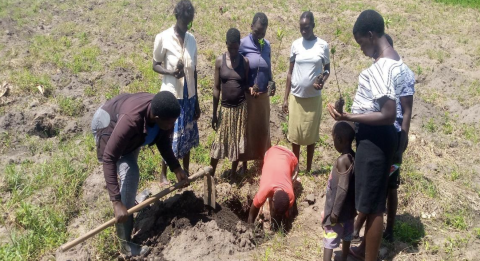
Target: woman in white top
[[309, 70], [175, 57], [374, 112]]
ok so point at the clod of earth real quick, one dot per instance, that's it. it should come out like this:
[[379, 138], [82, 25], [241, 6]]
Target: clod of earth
[[339, 104]]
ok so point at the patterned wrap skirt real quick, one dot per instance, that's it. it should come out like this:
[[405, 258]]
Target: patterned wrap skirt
[[185, 133], [230, 140]]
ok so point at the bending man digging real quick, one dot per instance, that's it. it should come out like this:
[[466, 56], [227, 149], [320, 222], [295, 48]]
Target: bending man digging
[[279, 170], [121, 127]]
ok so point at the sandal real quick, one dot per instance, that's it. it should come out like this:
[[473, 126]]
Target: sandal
[[355, 255]]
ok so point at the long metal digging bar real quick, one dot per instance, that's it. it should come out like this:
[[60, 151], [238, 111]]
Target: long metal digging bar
[[199, 174]]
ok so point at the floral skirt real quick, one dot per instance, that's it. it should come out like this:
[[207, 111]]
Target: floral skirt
[[185, 133], [230, 139]]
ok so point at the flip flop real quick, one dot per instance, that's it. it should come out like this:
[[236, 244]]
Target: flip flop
[[355, 255]]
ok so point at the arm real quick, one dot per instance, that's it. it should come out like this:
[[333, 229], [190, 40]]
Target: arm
[[288, 87], [198, 112], [164, 146], [407, 108], [216, 92], [247, 70], [386, 115], [343, 164], [252, 214], [116, 145]]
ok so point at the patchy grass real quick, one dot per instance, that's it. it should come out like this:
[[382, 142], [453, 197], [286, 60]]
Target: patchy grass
[[464, 3], [410, 233]]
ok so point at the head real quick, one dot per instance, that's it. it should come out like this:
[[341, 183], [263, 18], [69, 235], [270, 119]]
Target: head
[[368, 28], [259, 26], [389, 39], [233, 41], [184, 13], [281, 202], [307, 23], [165, 109], [343, 134]]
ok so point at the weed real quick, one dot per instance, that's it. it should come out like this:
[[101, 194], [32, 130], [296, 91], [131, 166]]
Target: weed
[[471, 133], [408, 232], [477, 232], [464, 3], [430, 125], [447, 124], [451, 244], [28, 82], [85, 60], [456, 219], [275, 99], [5, 141], [70, 106], [419, 70], [454, 175], [285, 127]]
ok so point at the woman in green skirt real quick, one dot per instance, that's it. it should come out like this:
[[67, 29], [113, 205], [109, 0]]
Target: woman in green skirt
[[309, 70]]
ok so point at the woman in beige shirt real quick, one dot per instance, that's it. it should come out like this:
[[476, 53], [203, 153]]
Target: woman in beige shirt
[[175, 57]]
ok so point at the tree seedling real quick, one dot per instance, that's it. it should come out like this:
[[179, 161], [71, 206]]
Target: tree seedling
[[340, 102]]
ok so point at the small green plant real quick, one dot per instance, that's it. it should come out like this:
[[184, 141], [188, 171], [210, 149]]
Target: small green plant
[[70, 106], [419, 70], [477, 232], [275, 99], [454, 175], [387, 22], [447, 124], [430, 125], [456, 219], [285, 127], [408, 232]]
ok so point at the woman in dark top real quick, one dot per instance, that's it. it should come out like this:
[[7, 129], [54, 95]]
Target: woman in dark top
[[231, 74]]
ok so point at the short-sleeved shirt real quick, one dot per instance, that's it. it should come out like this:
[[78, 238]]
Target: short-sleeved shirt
[[277, 172], [407, 89], [168, 50], [310, 56], [259, 61], [383, 79]]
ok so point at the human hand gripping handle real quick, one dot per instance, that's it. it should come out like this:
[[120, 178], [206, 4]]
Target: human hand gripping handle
[[120, 211], [181, 175]]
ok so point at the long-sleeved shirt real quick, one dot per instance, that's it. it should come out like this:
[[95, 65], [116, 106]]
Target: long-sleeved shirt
[[259, 60], [340, 196], [129, 114]]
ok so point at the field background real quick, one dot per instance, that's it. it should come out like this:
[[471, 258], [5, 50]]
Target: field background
[[61, 59]]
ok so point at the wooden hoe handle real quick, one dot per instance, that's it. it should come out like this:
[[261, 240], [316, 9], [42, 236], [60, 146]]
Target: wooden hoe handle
[[147, 202]]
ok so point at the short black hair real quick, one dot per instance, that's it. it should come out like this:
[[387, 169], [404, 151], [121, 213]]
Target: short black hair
[[262, 17], [308, 15], [233, 35], [344, 130], [281, 202], [369, 21], [389, 39], [184, 10], [165, 105]]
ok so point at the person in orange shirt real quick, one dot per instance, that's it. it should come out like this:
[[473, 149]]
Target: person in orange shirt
[[279, 170]]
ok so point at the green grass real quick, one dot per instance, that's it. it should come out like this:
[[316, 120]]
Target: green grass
[[57, 184], [70, 106], [456, 219], [409, 233], [464, 3], [28, 81]]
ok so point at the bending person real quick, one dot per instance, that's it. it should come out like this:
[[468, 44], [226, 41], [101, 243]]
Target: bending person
[[121, 127], [279, 170]]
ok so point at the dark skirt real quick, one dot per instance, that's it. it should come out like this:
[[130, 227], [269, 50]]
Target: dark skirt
[[376, 146]]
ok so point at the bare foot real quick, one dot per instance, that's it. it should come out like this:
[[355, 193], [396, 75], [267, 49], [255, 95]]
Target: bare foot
[[164, 181]]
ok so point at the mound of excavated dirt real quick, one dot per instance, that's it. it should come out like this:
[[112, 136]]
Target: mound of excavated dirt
[[182, 228]]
